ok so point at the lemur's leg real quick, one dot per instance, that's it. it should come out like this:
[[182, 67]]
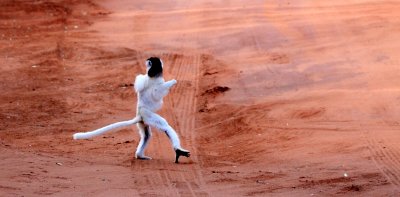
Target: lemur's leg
[[178, 151], [160, 123], [145, 135]]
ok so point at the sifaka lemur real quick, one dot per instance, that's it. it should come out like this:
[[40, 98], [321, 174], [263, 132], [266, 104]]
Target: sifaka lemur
[[150, 89]]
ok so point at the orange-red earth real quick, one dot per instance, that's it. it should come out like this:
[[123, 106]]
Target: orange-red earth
[[274, 98]]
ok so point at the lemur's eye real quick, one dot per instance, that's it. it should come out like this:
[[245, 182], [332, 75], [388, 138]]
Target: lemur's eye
[[148, 63]]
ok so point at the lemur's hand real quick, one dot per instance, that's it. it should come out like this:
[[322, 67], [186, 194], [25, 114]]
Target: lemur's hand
[[173, 81]]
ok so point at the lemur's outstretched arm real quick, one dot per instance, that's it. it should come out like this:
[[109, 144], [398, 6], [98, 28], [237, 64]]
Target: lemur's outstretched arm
[[163, 89], [169, 84]]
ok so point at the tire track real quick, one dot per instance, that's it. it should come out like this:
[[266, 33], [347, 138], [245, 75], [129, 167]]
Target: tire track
[[384, 156], [166, 181], [188, 75], [161, 177], [182, 94], [196, 168], [189, 98]]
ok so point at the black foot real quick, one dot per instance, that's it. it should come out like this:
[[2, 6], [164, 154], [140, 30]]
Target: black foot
[[181, 152]]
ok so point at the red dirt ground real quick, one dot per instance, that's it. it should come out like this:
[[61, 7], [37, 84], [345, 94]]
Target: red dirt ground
[[274, 98]]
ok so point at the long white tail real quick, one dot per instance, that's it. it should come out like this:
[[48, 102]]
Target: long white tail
[[105, 129]]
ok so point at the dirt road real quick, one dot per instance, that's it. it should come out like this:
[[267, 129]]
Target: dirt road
[[274, 98]]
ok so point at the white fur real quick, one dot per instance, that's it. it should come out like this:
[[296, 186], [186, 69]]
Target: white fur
[[150, 92], [140, 83]]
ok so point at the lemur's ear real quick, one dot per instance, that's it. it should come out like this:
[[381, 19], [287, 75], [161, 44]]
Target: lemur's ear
[[154, 67]]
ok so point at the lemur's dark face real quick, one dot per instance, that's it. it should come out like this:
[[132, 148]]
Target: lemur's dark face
[[154, 67]]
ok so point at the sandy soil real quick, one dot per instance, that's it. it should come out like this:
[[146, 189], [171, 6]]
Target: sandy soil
[[277, 98]]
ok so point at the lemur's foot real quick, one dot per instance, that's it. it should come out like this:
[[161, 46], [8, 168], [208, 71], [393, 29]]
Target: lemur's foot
[[142, 157], [181, 152]]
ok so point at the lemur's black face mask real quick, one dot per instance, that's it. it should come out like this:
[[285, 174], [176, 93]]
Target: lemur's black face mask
[[154, 67]]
